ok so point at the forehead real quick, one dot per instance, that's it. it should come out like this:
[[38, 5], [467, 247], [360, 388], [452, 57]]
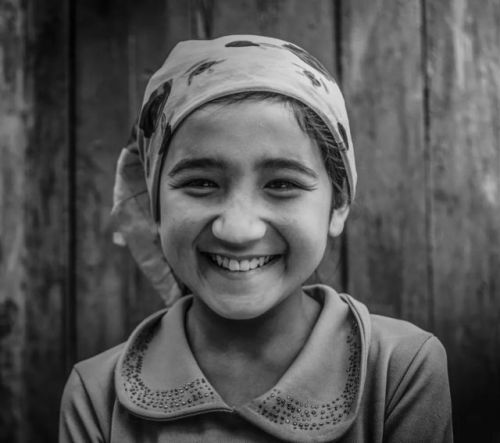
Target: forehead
[[245, 131]]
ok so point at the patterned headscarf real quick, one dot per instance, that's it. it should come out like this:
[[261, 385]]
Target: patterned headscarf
[[195, 73]]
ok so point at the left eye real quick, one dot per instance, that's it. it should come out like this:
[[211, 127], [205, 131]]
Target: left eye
[[286, 188], [282, 185], [200, 183]]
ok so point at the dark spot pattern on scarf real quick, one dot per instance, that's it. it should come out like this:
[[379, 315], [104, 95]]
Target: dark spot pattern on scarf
[[315, 82], [147, 165], [201, 67], [151, 111], [343, 134], [309, 59], [240, 44], [167, 135], [133, 141], [133, 135]]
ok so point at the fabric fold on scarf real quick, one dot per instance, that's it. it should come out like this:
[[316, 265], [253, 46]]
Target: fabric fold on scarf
[[133, 222]]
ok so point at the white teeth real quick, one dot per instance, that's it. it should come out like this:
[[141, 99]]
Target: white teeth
[[240, 265]]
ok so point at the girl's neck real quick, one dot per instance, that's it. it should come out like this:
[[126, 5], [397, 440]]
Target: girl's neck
[[289, 322], [243, 359]]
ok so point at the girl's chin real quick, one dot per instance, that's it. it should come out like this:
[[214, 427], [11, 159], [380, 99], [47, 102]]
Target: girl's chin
[[242, 308]]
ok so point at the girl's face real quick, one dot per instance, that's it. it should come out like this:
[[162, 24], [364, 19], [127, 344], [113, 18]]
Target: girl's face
[[245, 205]]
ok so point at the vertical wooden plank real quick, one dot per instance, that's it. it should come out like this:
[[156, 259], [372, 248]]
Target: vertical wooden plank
[[102, 124], [310, 25], [463, 40], [118, 48], [34, 222], [154, 28], [387, 235], [13, 147], [46, 218]]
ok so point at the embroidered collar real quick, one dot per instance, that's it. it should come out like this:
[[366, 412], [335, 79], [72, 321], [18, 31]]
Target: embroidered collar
[[316, 399]]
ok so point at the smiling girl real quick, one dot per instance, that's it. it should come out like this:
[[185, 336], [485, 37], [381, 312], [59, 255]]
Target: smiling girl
[[239, 169]]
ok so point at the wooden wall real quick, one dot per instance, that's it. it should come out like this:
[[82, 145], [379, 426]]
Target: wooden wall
[[422, 83]]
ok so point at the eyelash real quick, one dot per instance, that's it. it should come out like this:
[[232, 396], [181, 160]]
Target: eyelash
[[193, 182], [289, 185], [284, 186], [199, 183]]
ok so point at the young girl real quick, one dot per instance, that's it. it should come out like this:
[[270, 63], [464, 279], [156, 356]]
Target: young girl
[[240, 167]]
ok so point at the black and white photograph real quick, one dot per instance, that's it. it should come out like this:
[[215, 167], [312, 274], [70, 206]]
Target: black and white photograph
[[236, 221]]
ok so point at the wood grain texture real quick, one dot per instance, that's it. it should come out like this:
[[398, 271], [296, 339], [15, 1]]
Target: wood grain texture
[[464, 133], [13, 147], [310, 25], [34, 222], [118, 48], [46, 218], [155, 28], [102, 110], [387, 234]]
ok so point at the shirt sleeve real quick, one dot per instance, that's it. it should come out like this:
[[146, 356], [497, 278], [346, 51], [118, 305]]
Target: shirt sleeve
[[420, 408], [78, 419]]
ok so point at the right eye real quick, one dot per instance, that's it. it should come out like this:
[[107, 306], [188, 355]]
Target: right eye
[[198, 186]]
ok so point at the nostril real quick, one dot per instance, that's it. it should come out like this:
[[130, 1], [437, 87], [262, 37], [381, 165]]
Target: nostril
[[217, 227]]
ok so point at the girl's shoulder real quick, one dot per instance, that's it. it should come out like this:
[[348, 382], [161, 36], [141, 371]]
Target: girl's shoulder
[[90, 391], [99, 368], [88, 398], [391, 337], [410, 365], [94, 377], [403, 342]]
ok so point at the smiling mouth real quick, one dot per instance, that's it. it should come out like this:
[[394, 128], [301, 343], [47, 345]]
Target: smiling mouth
[[245, 265]]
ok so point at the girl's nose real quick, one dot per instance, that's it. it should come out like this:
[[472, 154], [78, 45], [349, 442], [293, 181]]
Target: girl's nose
[[238, 224]]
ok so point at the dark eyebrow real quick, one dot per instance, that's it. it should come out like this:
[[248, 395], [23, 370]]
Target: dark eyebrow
[[197, 163], [284, 163]]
